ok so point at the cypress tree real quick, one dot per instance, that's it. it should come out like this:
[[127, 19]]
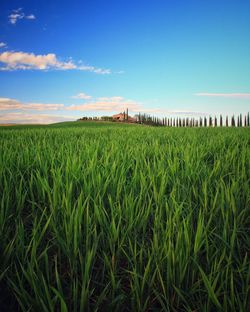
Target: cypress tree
[[226, 121], [248, 120], [221, 121], [200, 122], [205, 121], [245, 121], [233, 121], [215, 121], [210, 121], [240, 120]]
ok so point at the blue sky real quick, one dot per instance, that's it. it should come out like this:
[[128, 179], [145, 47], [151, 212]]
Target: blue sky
[[60, 60]]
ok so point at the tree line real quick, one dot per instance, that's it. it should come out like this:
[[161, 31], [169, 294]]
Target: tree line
[[234, 121]]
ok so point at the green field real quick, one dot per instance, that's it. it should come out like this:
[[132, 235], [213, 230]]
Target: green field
[[111, 217]]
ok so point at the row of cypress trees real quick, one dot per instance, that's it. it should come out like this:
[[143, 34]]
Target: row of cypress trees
[[238, 121]]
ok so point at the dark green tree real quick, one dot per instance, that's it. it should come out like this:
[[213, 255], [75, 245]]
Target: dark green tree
[[233, 121], [240, 121], [200, 124], [205, 121], [221, 121], [210, 121], [215, 121]]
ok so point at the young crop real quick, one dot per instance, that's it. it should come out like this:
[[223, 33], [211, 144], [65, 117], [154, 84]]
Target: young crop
[[118, 217]]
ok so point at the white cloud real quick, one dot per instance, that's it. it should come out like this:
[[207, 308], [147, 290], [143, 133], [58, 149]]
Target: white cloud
[[12, 104], [164, 111], [14, 111], [28, 61], [30, 17], [94, 69], [19, 15], [81, 96], [111, 104], [3, 44], [22, 60], [226, 95], [29, 118], [119, 104]]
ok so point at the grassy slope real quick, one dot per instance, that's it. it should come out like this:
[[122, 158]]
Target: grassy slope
[[70, 124], [119, 217]]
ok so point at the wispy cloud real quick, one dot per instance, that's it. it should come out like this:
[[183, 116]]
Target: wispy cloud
[[107, 104], [119, 104], [93, 69], [30, 61], [12, 104], [163, 111], [226, 95], [30, 17], [81, 96], [16, 111], [29, 118], [18, 14], [3, 45]]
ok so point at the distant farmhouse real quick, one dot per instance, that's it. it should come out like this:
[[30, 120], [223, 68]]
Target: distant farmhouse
[[123, 117]]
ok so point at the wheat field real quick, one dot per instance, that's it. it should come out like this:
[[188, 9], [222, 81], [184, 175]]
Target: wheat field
[[112, 217]]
